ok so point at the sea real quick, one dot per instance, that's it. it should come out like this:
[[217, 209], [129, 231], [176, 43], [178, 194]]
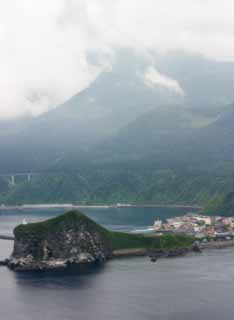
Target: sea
[[197, 286]]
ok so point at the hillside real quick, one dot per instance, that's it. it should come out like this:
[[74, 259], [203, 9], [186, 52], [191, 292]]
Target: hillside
[[221, 205], [164, 156], [175, 136], [163, 135], [136, 183]]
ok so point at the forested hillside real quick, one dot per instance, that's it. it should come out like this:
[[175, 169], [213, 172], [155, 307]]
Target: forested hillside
[[124, 139], [114, 184]]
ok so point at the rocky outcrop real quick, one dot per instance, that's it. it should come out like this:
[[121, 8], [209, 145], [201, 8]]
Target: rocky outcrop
[[73, 239], [70, 239]]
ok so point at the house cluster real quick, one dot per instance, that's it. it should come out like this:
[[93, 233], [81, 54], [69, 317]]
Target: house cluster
[[197, 225]]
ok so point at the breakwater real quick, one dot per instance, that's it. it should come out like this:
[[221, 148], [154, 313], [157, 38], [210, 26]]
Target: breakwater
[[5, 237]]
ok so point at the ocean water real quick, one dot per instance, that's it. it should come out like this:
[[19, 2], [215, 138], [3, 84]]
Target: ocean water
[[198, 286], [128, 218]]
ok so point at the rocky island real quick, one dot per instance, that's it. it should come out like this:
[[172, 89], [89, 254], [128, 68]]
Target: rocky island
[[75, 239], [71, 238]]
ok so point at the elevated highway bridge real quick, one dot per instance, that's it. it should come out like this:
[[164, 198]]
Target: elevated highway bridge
[[11, 176]]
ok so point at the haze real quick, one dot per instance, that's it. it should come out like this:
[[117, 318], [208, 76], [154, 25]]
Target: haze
[[44, 44]]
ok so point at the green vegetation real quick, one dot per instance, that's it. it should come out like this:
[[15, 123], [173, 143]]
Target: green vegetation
[[213, 205], [118, 240], [166, 242], [221, 205], [142, 183], [122, 240], [71, 218], [171, 241]]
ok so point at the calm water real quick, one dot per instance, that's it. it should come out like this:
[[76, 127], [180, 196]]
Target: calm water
[[186, 288], [115, 218]]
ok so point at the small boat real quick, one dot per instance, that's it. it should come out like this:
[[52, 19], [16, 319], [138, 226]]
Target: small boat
[[153, 259]]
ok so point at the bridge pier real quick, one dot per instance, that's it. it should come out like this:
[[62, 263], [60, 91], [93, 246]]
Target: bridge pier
[[12, 180], [11, 177]]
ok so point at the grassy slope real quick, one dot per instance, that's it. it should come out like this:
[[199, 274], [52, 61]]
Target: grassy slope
[[131, 241], [118, 240]]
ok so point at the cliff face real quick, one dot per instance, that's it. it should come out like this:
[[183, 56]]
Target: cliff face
[[56, 243]]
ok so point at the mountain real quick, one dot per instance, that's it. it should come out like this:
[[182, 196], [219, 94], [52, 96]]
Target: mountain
[[160, 135], [126, 139], [168, 156], [118, 96], [115, 98], [173, 136]]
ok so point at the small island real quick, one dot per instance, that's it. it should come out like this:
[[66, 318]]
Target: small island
[[74, 239]]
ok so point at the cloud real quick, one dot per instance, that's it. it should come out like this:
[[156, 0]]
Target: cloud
[[41, 63], [44, 44], [153, 78]]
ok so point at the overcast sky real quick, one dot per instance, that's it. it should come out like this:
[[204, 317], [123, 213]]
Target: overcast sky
[[43, 44]]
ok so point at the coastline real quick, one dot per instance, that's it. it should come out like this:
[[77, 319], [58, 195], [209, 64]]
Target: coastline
[[142, 252], [153, 255], [73, 206], [158, 254], [217, 245]]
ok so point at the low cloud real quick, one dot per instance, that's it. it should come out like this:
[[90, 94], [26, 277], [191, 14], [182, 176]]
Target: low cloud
[[153, 78], [44, 44]]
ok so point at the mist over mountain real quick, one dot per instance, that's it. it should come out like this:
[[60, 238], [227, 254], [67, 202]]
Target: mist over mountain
[[167, 111], [116, 98]]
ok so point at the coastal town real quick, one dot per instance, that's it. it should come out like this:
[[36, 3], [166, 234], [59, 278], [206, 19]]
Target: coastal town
[[200, 226]]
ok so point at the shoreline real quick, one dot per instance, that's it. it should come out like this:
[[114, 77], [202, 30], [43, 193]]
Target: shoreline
[[217, 245], [153, 255], [116, 206], [176, 252]]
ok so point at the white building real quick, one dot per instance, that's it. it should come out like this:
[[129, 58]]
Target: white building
[[157, 224]]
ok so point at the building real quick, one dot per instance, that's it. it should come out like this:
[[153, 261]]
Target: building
[[206, 220], [157, 224]]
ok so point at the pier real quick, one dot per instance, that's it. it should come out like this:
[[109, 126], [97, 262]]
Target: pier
[[5, 237]]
